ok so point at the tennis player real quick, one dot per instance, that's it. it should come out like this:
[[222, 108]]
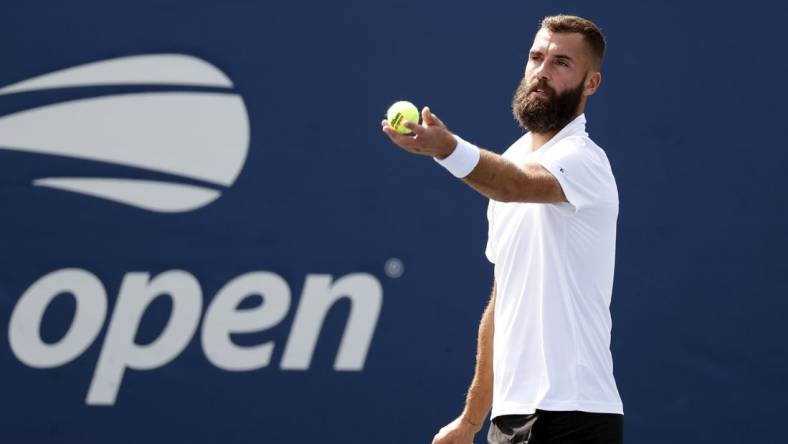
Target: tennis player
[[543, 362]]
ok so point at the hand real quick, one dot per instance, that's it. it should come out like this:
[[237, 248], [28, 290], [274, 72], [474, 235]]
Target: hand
[[459, 431], [432, 138]]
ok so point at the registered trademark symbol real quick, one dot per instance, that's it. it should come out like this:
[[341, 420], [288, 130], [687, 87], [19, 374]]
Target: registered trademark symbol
[[394, 268]]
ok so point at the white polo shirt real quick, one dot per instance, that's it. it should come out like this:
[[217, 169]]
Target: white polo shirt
[[554, 275]]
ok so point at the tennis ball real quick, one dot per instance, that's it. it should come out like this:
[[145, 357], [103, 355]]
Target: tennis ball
[[399, 113]]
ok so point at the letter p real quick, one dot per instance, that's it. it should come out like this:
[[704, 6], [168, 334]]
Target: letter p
[[120, 351]]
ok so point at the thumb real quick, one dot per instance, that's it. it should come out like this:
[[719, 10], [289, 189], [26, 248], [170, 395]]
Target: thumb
[[429, 118]]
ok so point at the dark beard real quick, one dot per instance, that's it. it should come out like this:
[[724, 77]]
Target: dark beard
[[539, 116]]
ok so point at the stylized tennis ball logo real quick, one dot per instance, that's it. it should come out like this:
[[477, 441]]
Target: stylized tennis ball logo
[[195, 140]]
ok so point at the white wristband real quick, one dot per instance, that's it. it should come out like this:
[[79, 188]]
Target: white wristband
[[462, 160]]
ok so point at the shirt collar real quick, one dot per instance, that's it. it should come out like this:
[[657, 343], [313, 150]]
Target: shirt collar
[[576, 126]]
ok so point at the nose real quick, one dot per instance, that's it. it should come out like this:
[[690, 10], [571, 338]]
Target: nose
[[541, 72]]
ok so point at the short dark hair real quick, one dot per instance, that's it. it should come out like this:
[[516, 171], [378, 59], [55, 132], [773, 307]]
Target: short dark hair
[[590, 31]]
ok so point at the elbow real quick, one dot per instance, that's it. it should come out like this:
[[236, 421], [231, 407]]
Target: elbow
[[503, 197]]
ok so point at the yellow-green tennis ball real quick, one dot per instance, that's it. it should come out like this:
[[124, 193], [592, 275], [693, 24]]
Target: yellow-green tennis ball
[[399, 113]]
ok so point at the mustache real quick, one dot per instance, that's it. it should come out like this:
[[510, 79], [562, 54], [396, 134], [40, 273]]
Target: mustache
[[543, 86]]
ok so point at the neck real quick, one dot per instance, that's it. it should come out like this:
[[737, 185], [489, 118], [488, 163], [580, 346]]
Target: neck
[[539, 139]]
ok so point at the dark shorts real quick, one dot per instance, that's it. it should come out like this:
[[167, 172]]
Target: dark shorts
[[548, 427]]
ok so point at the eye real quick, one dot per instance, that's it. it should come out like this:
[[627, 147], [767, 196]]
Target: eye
[[563, 62]]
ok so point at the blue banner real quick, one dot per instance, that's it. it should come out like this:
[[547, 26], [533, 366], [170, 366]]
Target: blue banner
[[205, 236]]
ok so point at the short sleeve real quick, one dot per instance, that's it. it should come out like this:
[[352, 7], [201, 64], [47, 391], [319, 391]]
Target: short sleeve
[[490, 249], [583, 177]]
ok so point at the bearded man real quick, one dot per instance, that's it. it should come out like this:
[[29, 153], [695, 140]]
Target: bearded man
[[543, 360]]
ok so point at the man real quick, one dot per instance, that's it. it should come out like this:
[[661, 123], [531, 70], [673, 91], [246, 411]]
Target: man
[[543, 360]]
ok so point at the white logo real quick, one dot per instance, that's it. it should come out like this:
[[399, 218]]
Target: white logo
[[223, 317], [202, 136]]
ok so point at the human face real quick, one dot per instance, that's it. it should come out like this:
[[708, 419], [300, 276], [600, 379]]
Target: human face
[[558, 78]]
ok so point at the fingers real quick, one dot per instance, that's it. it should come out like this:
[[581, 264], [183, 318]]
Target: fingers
[[393, 135], [415, 127], [402, 140]]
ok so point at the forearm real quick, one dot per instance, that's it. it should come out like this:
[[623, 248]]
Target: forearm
[[480, 394], [494, 176], [500, 179]]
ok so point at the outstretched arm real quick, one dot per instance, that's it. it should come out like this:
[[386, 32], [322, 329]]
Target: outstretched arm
[[495, 177]]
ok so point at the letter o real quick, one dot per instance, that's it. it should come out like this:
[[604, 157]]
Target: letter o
[[24, 328]]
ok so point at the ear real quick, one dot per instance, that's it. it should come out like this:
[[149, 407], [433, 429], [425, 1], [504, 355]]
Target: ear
[[592, 83]]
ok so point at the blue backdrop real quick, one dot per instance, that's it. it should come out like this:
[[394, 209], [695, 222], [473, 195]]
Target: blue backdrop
[[690, 112]]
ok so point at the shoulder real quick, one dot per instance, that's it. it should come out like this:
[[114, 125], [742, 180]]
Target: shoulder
[[582, 148], [582, 169]]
